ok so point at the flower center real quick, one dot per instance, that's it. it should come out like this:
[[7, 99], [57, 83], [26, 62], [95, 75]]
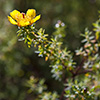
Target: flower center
[[23, 15]]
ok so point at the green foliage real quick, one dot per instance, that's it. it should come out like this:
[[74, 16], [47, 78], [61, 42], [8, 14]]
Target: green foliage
[[48, 96], [59, 57], [38, 87], [77, 71], [79, 91], [62, 62], [35, 86]]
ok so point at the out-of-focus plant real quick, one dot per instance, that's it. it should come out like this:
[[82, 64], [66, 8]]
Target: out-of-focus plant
[[80, 79], [39, 89]]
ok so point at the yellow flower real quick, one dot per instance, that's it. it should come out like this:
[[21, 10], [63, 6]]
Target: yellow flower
[[22, 19]]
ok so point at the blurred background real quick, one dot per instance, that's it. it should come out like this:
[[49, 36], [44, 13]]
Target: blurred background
[[18, 62]]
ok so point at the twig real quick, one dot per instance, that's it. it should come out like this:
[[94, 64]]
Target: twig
[[85, 71], [62, 94], [80, 66]]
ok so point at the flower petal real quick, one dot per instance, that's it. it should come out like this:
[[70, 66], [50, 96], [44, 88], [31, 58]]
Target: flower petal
[[16, 15], [12, 21], [31, 13], [35, 19], [23, 23]]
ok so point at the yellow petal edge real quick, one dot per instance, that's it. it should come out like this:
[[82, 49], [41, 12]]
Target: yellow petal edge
[[12, 21], [35, 19]]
